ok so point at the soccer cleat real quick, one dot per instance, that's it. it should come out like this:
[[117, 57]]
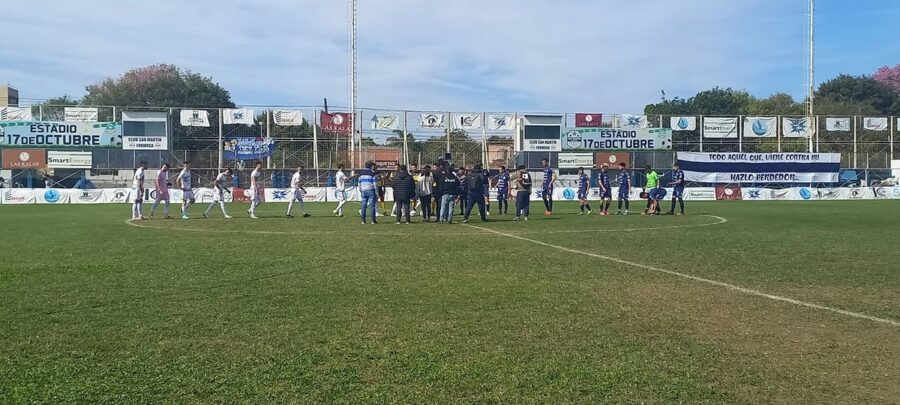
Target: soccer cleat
[[205, 215], [168, 217], [374, 222], [185, 217], [582, 213], [589, 212], [306, 215], [488, 213], [228, 217], [334, 212], [680, 214], [398, 222], [515, 218], [407, 222], [363, 223], [253, 216], [151, 216], [526, 218], [289, 216], [465, 221]]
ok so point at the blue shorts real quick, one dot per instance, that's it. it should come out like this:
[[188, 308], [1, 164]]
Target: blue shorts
[[582, 195], [623, 193], [606, 194], [657, 193], [547, 191], [502, 194], [678, 192]]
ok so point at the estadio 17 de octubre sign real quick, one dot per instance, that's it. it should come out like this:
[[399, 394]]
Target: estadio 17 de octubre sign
[[61, 134]]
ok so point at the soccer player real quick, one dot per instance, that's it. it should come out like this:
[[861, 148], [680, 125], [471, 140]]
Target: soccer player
[[584, 185], [137, 188], [183, 181], [678, 191], [219, 190], [162, 191], [340, 190], [367, 191], [503, 190], [650, 189], [381, 178], [487, 191], [523, 194], [297, 193], [255, 178], [624, 188], [463, 197], [448, 183], [547, 186], [475, 185], [605, 190]]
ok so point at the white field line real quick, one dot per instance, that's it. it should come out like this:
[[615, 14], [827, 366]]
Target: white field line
[[732, 287], [143, 224]]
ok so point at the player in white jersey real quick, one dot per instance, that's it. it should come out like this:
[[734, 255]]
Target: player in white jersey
[[255, 180], [184, 183], [340, 190], [137, 190], [297, 193], [162, 191], [220, 187]]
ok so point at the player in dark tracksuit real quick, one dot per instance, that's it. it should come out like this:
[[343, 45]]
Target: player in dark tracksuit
[[624, 188], [605, 190], [547, 186], [678, 191], [463, 197], [503, 190], [584, 185]]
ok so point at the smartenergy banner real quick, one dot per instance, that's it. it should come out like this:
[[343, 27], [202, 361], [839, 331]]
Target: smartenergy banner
[[760, 167]]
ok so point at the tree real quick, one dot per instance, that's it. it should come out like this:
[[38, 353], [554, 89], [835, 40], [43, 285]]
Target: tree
[[861, 89], [715, 101], [776, 104], [161, 86], [889, 76], [64, 100]]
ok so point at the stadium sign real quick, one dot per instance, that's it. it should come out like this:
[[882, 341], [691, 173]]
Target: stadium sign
[[24, 158], [760, 167], [593, 139], [576, 160], [61, 134], [69, 160]]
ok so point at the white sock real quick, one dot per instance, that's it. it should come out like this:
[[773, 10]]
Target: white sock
[[208, 209], [302, 207], [290, 207], [222, 205]]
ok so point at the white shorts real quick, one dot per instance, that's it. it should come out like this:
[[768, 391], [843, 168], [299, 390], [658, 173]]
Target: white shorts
[[254, 194], [297, 194], [138, 194], [341, 195], [187, 195], [218, 195]]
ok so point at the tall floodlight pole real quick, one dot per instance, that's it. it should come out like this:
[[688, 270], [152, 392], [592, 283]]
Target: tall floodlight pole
[[810, 112], [353, 89]]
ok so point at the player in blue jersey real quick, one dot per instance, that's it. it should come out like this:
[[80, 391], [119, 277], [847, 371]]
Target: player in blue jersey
[[605, 190], [678, 189], [624, 188], [503, 190], [547, 186], [584, 185]]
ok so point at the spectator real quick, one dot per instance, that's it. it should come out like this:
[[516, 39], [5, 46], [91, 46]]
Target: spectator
[[424, 190], [404, 191]]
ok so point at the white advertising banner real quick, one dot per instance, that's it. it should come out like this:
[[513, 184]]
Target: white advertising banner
[[86, 196], [386, 121], [69, 160], [633, 121], [837, 124], [683, 123], [699, 193], [431, 120], [801, 127], [145, 142], [287, 118], [466, 121], [499, 122], [16, 114], [760, 167], [17, 195], [194, 118], [875, 123], [240, 116], [542, 145], [352, 194], [51, 196], [117, 195], [760, 127], [717, 127], [576, 160], [81, 114]]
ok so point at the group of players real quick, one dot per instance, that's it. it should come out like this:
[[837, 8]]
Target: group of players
[[435, 191]]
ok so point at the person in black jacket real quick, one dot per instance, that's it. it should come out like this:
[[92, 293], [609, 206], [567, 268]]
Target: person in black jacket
[[475, 184], [448, 184], [404, 191]]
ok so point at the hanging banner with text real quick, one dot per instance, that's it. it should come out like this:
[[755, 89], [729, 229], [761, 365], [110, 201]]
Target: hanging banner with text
[[61, 134], [246, 148], [595, 139], [760, 167]]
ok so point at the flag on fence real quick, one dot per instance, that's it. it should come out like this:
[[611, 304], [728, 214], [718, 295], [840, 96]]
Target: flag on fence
[[633, 121], [466, 120], [288, 118], [335, 122], [875, 123], [16, 114], [237, 116], [683, 123], [760, 127], [81, 114], [386, 121], [431, 120], [718, 127], [796, 127], [194, 118], [588, 120], [498, 122], [837, 124]]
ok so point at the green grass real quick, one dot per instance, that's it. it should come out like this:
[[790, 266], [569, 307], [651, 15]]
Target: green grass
[[324, 309]]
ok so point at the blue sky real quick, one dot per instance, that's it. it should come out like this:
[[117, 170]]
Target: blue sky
[[468, 55]]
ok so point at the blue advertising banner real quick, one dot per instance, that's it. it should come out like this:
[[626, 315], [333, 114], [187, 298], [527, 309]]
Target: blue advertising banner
[[247, 148], [760, 167]]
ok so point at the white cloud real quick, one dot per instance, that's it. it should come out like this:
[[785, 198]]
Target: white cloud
[[565, 55]]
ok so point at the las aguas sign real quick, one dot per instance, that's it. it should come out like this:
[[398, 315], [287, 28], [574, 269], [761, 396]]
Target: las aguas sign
[[760, 167], [589, 139], [61, 134]]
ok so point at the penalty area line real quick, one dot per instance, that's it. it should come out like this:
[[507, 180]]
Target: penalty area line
[[743, 290]]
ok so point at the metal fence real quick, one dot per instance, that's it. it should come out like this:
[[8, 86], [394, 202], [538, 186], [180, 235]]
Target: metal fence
[[411, 141]]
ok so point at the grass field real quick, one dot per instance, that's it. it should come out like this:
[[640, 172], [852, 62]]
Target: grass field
[[559, 309]]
